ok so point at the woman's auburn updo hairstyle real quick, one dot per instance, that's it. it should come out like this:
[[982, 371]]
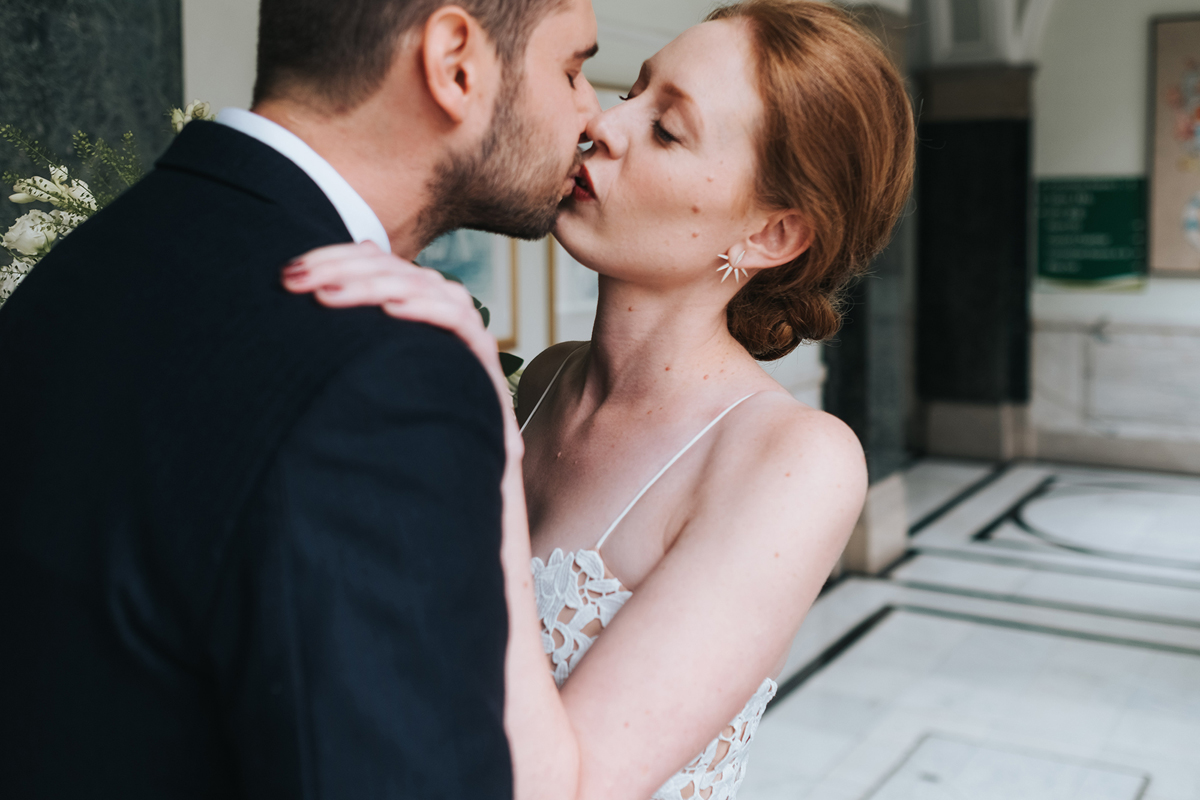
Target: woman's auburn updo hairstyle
[[836, 144]]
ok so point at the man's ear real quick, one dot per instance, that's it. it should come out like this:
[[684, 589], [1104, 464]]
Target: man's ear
[[784, 237], [460, 62]]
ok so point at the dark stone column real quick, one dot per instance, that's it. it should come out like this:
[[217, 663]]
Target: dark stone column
[[869, 366], [869, 372], [973, 332], [869, 378], [101, 66]]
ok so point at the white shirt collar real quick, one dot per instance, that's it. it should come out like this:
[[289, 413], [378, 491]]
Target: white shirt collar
[[359, 218]]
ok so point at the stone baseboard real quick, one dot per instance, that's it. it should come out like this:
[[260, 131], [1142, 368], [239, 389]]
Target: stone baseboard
[[1111, 451], [994, 432], [881, 535]]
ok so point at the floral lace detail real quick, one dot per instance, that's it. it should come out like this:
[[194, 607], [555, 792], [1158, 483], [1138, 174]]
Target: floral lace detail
[[717, 773], [574, 582], [576, 598]]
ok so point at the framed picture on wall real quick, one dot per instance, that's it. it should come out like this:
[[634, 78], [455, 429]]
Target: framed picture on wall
[[487, 265], [573, 288], [1175, 145]]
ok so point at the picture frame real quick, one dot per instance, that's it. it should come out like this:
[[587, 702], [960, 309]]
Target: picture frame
[[1174, 146], [486, 263], [574, 291]]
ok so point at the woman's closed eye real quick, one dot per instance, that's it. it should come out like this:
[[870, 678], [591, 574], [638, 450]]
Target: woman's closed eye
[[662, 134]]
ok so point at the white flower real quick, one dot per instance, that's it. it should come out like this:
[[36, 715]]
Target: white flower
[[58, 192], [12, 275], [198, 110], [82, 194], [66, 221], [194, 110], [35, 190], [32, 234]]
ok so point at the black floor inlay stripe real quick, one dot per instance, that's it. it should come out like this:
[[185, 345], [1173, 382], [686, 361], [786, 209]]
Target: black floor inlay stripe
[[1057, 605], [828, 655], [1033, 628], [985, 533], [944, 508], [1065, 569]]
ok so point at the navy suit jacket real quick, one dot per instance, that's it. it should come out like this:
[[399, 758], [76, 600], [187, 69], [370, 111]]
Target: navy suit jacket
[[249, 546]]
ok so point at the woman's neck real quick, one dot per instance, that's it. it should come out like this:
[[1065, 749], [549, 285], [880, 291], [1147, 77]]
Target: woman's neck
[[653, 344]]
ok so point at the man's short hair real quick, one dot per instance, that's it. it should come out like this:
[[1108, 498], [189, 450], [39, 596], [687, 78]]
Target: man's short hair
[[340, 50]]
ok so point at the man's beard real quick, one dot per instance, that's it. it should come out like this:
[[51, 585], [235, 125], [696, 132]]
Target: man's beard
[[510, 186]]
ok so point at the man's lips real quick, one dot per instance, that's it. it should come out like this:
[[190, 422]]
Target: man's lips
[[584, 190]]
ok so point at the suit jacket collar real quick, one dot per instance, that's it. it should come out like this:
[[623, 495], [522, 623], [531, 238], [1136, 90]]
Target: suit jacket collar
[[220, 153]]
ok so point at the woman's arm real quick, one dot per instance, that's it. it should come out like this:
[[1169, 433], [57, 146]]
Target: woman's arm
[[781, 491]]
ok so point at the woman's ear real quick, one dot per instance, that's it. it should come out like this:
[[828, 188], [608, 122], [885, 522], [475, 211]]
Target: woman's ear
[[460, 63], [783, 238]]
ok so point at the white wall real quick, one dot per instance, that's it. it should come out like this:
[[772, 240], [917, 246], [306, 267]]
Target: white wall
[[1090, 120], [219, 38], [1116, 376]]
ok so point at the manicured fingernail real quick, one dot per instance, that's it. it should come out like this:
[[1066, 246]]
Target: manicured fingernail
[[295, 273], [332, 289]]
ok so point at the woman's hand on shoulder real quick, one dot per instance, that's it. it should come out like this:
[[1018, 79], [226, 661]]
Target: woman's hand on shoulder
[[349, 275]]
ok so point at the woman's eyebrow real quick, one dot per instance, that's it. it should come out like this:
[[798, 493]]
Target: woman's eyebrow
[[687, 105]]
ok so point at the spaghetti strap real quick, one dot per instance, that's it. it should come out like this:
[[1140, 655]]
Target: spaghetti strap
[[550, 385], [669, 464]]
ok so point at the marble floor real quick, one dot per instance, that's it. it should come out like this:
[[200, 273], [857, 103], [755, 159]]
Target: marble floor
[[1041, 641]]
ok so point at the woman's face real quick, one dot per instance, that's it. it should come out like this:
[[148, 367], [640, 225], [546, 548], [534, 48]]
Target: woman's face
[[671, 174]]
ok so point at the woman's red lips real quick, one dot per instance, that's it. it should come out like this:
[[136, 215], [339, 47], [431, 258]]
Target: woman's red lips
[[583, 186]]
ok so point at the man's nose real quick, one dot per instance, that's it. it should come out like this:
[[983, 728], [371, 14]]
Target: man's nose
[[589, 106]]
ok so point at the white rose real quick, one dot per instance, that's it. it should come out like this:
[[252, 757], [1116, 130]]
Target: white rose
[[32, 235], [198, 110], [193, 111]]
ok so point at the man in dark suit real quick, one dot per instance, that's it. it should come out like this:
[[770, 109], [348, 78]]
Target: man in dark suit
[[249, 547]]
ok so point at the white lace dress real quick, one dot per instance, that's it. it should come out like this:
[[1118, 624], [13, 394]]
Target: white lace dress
[[575, 590]]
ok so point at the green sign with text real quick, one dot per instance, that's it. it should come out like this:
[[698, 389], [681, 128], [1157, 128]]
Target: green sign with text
[[1092, 230]]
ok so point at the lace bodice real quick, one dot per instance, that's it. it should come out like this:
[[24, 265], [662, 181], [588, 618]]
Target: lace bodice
[[577, 598]]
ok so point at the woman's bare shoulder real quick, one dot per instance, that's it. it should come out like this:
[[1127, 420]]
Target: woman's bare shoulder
[[537, 376], [782, 454]]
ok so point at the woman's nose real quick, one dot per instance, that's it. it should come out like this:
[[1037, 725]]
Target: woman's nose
[[606, 131]]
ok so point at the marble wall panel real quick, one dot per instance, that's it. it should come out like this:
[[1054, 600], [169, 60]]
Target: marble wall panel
[[103, 66], [1118, 395], [1059, 379], [1145, 379]]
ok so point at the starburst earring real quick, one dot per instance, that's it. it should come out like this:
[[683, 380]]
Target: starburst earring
[[730, 267]]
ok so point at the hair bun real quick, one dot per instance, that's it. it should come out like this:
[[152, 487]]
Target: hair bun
[[837, 145]]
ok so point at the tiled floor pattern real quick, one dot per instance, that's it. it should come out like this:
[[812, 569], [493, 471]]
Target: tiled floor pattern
[[1042, 642], [944, 768]]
